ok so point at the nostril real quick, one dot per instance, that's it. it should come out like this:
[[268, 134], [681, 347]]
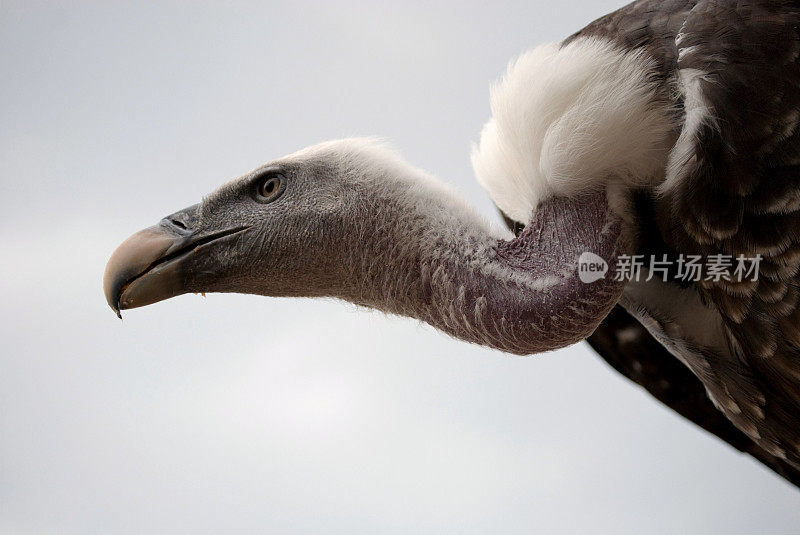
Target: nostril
[[182, 222], [178, 223]]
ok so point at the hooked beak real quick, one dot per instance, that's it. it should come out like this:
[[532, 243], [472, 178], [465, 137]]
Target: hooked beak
[[151, 265]]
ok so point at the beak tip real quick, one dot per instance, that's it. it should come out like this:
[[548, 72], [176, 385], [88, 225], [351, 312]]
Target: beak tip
[[111, 290], [113, 303]]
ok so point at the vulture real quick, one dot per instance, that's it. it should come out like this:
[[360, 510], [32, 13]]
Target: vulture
[[648, 169]]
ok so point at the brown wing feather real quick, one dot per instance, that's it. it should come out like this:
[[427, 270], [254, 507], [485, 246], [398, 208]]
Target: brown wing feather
[[737, 192], [631, 350]]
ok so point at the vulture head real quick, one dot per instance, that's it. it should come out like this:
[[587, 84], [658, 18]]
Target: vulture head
[[349, 219], [288, 228]]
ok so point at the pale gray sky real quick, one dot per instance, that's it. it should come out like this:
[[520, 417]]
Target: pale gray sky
[[241, 414]]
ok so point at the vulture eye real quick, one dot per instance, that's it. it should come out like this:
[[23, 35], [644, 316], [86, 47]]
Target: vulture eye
[[270, 188]]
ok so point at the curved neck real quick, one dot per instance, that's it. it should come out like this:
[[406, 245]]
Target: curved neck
[[521, 296]]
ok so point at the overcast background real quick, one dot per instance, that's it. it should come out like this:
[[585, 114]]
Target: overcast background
[[239, 414]]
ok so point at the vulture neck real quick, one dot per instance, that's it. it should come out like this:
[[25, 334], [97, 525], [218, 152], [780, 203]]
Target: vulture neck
[[431, 258]]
